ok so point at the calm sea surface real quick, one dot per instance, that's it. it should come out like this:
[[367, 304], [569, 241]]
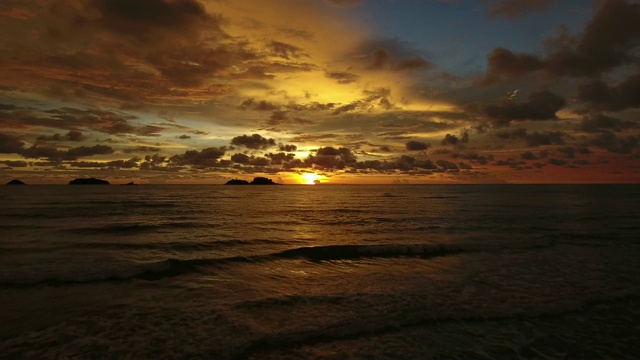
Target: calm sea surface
[[325, 272]]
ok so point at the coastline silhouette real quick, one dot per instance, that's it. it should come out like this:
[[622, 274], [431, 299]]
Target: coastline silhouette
[[256, 181]]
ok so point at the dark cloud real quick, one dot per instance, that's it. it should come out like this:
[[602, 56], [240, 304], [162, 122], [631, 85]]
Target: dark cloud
[[55, 155], [72, 135], [259, 161], [601, 97], [10, 144], [184, 137], [616, 144], [504, 63], [382, 59], [312, 106], [601, 122], [261, 105], [342, 77], [332, 158], [280, 158], [570, 151], [450, 140], [416, 145], [130, 17], [284, 50], [539, 105], [608, 41], [545, 138], [240, 158], [512, 134], [534, 139], [517, 8], [373, 98], [81, 151], [14, 163], [255, 141], [556, 162], [474, 157], [346, 3], [528, 156], [204, 158], [287, 147], [141, 149], [447, 165], [114, 164]]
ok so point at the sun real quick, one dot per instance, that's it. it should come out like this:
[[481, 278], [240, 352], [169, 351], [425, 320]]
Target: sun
[[310, 178]]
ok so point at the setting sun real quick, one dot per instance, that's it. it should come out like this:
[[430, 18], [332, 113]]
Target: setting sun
[[310, 178]]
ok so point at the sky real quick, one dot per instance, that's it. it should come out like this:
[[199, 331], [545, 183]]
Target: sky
[[324, 91]]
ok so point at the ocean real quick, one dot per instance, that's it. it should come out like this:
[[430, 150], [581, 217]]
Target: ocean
[[320, 272]]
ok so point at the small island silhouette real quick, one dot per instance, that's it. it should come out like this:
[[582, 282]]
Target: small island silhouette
[[88, 181], [16, 182], [256, 181]]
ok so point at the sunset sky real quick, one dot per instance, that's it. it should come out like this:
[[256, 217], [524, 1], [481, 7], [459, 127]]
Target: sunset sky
[[354, 91]]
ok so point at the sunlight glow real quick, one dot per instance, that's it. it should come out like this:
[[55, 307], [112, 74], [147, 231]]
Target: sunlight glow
[[310, 178]]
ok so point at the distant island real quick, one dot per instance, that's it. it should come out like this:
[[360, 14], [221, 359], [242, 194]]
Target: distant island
[[256, 181], [88, 181], [15, 182]]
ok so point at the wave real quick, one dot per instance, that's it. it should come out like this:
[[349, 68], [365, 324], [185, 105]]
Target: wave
[[176, 267], [400, 322], [171, 245], [133, 228]]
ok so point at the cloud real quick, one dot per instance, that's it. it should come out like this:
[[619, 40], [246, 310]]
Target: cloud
[[536, 138], [512, 9], [204, 158], [601, 122], [141, 149], [14, 163], [556, 162], [287, 147], [342, 77], [608, 41], [450, 140], [132, 17], [255, 141], [540, 105], [280, 158], [346, 3], [416, 145], [616, 144], [55, 155], [10, 144], [284, 50], [601, 97], [545, 138], [261, 105], [382, 59], [240, 158], [331, 158], [72, 135]]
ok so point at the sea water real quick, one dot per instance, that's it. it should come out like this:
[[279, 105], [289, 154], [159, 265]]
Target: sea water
[[320, 272]]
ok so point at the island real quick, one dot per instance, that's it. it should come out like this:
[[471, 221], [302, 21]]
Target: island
[[256, 181], [15, 182], [88, 181]]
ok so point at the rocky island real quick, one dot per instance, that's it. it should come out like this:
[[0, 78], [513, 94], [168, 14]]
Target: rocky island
[[256, 181], [15, 182], [88, 181]]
